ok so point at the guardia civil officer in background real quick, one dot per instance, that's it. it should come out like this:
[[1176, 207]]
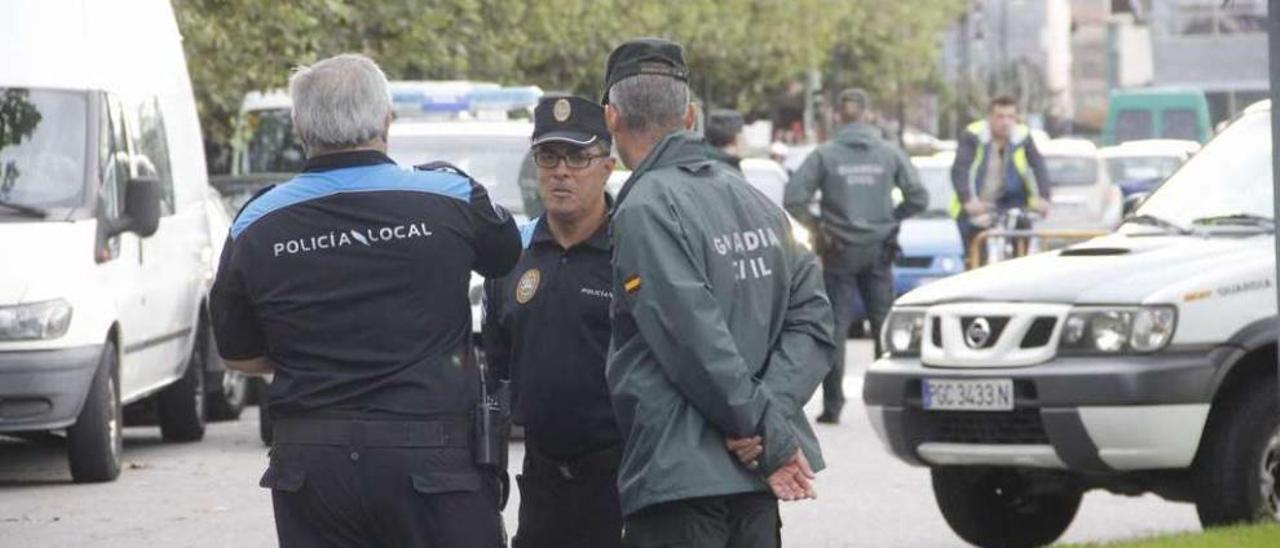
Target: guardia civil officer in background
[[721, 329], [857, 224], [724, 134], [547, 325], [349, 283]]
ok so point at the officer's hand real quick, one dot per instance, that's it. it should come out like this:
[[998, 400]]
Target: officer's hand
[[1041, 207], [975, 207], [793, 480], [748, 450]]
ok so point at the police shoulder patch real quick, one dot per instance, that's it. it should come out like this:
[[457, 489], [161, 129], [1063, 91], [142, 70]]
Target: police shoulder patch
[[527, 287]]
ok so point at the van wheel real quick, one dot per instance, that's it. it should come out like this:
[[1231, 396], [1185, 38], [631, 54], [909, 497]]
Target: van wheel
[[95, 441], [1004, 508], [181, 406], [1239, 466], [228, 391]]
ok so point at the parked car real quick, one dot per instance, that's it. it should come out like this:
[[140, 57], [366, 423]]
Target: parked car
[[931, 245], [1083, 197], [1140, 166], [1142, 361], [105, 228]]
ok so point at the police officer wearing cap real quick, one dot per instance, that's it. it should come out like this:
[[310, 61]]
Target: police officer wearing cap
[[721, 329], [349, 284], [547, 324]]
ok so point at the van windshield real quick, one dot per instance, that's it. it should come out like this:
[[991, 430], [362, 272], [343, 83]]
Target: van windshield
[[1230, 178], [42, 150]]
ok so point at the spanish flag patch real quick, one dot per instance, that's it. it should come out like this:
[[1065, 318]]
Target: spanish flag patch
[[632, 284]]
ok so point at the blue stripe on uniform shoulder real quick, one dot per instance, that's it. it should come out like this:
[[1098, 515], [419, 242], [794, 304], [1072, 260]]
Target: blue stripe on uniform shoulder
[[526, 232], [382, 177]]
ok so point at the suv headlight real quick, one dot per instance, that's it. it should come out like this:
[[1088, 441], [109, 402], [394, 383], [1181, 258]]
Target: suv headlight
[[34, 321], [902, 332], [1142, 329]]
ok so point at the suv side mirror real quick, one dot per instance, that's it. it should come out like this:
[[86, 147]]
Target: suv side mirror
[[141, 208], [1133, 202]]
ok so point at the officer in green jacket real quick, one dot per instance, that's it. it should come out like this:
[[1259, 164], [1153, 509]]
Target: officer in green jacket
[[857, 225], [721, 327]]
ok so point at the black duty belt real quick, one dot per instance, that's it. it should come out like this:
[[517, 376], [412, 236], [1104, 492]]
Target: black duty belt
[[434, 433], [604, 461]]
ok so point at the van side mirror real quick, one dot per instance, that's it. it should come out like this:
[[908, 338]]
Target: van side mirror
[[141, 208], [1133, 202]]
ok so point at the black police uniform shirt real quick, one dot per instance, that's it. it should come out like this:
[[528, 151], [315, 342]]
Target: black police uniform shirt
[[353, 278], [547, 326]]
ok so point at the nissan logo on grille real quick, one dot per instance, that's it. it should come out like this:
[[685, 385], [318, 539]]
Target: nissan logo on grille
[[978, 334]]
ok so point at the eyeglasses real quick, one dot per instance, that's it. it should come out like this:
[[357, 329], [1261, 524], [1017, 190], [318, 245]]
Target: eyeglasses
[[576, 160]]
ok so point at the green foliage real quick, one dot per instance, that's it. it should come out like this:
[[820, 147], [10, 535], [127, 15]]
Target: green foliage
[[740, 51]]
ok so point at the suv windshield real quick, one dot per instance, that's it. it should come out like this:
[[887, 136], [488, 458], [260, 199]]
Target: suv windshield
[[1230, 178], [42, 150], [493, 160]]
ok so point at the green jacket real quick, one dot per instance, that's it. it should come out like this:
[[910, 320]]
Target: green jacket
[[721, 328], [856, 172]]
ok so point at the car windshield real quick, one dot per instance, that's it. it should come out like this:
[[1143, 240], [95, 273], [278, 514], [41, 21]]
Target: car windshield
[[1231, 177], [1141, 168], [1071, 170], [42, 150], [270, 145], [493, 160], [937, 180]]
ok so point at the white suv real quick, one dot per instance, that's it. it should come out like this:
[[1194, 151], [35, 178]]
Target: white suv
[[1142, 361]]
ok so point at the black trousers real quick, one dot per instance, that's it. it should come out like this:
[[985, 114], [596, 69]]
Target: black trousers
[[748, 520], [377, 484], [851, 272], [570, 504]]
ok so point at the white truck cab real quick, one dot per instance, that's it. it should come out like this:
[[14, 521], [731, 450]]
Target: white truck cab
[[106, 250], [1142, 361]]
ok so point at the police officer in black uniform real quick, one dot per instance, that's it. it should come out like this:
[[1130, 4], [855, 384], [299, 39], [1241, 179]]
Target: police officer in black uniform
[[349, 283], [547, 324]]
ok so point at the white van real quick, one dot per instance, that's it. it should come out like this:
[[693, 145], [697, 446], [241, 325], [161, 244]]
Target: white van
[[1141, 361], [106, 252]]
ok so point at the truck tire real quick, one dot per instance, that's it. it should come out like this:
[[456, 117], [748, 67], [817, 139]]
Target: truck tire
[[994, 507], [227, 391], [1236, 472], [95, 441], [180, 406]]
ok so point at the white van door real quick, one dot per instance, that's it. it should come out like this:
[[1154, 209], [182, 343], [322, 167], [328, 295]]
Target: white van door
[[122, 259], [170, 268]]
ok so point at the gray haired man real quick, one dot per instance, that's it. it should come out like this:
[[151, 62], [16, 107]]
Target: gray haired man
[[721, 328], [349, 283]]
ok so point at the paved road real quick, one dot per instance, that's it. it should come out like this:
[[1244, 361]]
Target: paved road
[[206, 495]]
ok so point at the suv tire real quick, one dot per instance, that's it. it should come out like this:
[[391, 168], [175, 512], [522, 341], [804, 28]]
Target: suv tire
[[1236, 474], [999, 507]]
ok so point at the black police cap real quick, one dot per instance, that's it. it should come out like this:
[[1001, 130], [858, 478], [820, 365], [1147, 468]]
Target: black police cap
[[572, 120], [644, 56]]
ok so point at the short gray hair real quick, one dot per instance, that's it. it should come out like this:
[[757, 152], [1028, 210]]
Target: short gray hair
[[651, 104], [339, 103]]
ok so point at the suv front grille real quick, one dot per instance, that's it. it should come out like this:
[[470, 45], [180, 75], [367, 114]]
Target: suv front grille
[[1018, 427]]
